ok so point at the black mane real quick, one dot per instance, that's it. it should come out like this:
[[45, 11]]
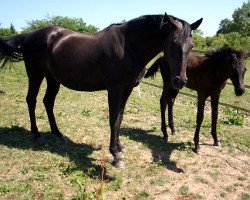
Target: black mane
[[156, 21], [224, 52]]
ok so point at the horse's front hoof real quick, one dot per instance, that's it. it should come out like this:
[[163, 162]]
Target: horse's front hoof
[[63, 139], [124, 150], [119, 164], [172, 131], [217, 144], [165, 138], [40, 141], [196, 150]]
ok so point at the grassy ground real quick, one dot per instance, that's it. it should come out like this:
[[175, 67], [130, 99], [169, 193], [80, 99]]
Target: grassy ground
[[154, 169]]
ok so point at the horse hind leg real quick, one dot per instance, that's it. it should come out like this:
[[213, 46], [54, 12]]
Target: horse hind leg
[[53, 87]]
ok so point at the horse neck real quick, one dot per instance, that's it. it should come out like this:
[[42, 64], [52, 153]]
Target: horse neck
[[144, 38], [145, 47], [222, 69]]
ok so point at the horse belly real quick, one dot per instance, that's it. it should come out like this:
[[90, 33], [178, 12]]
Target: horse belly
[[76, 67], [79, 78]]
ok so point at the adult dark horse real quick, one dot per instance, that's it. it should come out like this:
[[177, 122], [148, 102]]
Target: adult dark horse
[[112, 59], [207, 75]]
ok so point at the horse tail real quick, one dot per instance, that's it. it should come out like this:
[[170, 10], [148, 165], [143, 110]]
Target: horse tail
[[153, 69], [11, 49]]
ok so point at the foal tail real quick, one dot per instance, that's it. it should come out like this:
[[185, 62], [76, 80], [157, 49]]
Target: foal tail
[[11, 49], [153, 69]]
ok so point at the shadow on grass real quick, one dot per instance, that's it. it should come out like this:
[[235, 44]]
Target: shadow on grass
[[161, 150], [20, 138]]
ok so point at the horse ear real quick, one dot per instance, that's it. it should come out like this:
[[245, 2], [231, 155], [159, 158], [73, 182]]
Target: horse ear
[[169, 20], [196, 24]]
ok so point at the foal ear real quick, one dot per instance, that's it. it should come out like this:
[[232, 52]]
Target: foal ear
[[196, 24], [234, 56]]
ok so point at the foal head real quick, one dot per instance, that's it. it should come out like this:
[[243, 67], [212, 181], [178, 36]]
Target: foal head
[[237, 70], [177, 45]]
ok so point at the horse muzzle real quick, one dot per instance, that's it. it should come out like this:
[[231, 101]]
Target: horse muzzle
[[178, 82]]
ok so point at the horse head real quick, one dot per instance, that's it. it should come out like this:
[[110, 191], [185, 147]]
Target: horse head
[[237, 70], [177, 45]]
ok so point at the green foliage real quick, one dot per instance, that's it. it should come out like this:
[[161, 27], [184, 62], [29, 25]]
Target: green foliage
[[233, 39], [199, 42], [74, 24], [7, 31], [245, 196], [234, 117], [240, 22], [142, 195], [184, 190], [232, 33]]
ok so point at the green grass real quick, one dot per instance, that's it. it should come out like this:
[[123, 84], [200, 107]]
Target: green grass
[[154, 169]]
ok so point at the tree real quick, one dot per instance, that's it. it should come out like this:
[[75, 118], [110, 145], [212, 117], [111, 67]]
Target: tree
[[74, 24], [12, 29], [240, 22], [6, 32], [199, 40]]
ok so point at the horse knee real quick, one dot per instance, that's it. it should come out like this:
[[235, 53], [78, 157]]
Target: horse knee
[[31, 101], [48, 101]]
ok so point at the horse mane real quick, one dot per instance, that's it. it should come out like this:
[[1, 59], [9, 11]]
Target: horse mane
[[146, 22], [224, 52], [154, 22]]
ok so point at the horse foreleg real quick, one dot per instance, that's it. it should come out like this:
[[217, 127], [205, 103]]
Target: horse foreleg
[[125, 95], [163, 105], [171, 99], [114, 100], [199, 119], [34, 85], [49, 101], [214, 105]]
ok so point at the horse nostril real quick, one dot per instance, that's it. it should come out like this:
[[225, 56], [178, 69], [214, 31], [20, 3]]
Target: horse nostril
[[178, 82]]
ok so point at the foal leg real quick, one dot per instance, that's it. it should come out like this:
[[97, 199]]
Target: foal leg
[[49, 101], [171, 99], [34, 85], [214, 105], [199, 119]]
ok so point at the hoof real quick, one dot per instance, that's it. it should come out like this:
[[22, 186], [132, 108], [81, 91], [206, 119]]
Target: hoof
[[165, 138], [119, 164], [217, 144], [124, 150], [40, 141], [196, 150], [63, 139]]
